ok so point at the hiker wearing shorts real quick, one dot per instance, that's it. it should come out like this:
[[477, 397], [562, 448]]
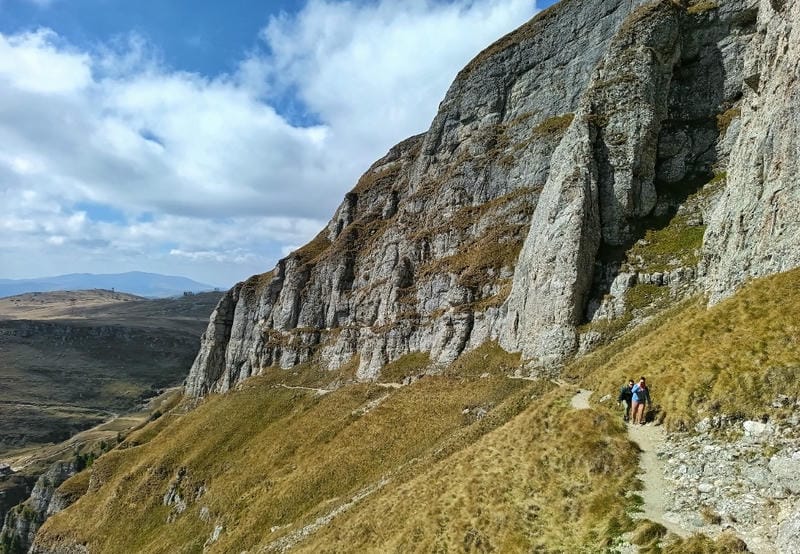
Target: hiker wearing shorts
[[640, 399]]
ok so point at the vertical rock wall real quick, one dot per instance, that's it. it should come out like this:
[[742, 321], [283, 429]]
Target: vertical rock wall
[[420, 255], [602, 178], [755, 229]]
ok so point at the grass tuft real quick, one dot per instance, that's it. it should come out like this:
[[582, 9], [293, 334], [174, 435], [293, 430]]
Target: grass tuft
[[698, 7], [725, 119], [648, 532], [726, 543]]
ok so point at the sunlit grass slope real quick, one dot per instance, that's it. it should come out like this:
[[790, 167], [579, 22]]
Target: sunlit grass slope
[[466, 461], [734, 358], [266, 460], [553, 479]]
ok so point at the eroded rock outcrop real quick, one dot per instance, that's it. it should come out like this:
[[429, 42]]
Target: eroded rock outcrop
[[420, 255], [23, 521], [602, 178]]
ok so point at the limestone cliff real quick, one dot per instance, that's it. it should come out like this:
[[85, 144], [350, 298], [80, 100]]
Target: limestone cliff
[[754, 229], [554, 151]]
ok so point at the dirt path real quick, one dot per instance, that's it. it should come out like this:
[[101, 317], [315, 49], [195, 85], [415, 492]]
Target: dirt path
[[319, 392], [648, 438]]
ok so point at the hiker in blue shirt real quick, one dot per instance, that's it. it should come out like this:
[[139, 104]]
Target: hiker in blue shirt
[[640, 398]]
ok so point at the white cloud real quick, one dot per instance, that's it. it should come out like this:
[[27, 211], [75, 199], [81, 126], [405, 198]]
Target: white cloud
[[377, 72], [32, 63], [113, 161]]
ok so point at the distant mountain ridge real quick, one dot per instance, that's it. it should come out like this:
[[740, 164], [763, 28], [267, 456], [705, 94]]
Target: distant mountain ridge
[[151, 285]]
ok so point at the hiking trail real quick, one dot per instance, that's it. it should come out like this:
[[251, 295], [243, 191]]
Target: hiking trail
[[648, 438], [651, 470]]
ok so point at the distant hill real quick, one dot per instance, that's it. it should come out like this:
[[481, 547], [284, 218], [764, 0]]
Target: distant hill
[[150, 285]]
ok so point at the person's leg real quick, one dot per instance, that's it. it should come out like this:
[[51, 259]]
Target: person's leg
[[627, 416], [640, 416], [634, 410]]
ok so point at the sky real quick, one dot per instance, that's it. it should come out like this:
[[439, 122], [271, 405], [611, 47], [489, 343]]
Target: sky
[[209, 139]]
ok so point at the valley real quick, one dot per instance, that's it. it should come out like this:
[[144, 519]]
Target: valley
[[71, 360]]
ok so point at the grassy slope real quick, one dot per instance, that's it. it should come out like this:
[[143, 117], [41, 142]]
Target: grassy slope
[[552, 479], [271, 457], [533, 475], [734, 358]]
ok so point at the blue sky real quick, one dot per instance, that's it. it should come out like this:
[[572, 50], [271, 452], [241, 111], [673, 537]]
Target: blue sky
[[208, 138]]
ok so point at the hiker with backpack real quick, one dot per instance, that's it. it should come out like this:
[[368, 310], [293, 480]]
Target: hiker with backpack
[[640, 399], [626, 395]]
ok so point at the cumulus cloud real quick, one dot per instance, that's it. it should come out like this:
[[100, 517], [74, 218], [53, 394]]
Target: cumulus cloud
[[113, 161]]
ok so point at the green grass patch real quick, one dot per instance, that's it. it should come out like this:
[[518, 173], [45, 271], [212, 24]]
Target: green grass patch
[[643, 296], [489, 358], [676, 245]]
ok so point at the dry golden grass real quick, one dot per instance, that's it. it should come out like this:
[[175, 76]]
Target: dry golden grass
[[698, 7], [648, 533], [553, 479], [725, 119], [75, 487], [733, 358], [726, 543], [271, 457]]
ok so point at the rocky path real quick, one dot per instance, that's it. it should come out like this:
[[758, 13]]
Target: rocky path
[[649, 438]]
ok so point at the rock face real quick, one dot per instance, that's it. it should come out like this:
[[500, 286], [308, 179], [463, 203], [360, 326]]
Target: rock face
[[555, 149], [602, 177], [22, 523], [754, 231]]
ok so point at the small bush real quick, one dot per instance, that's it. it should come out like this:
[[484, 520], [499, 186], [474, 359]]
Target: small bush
[[725, 119], [710, 516], [554, 125]]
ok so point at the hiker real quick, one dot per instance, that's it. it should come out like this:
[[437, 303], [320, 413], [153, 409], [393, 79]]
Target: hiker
[[640, 399], [626, 395]]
